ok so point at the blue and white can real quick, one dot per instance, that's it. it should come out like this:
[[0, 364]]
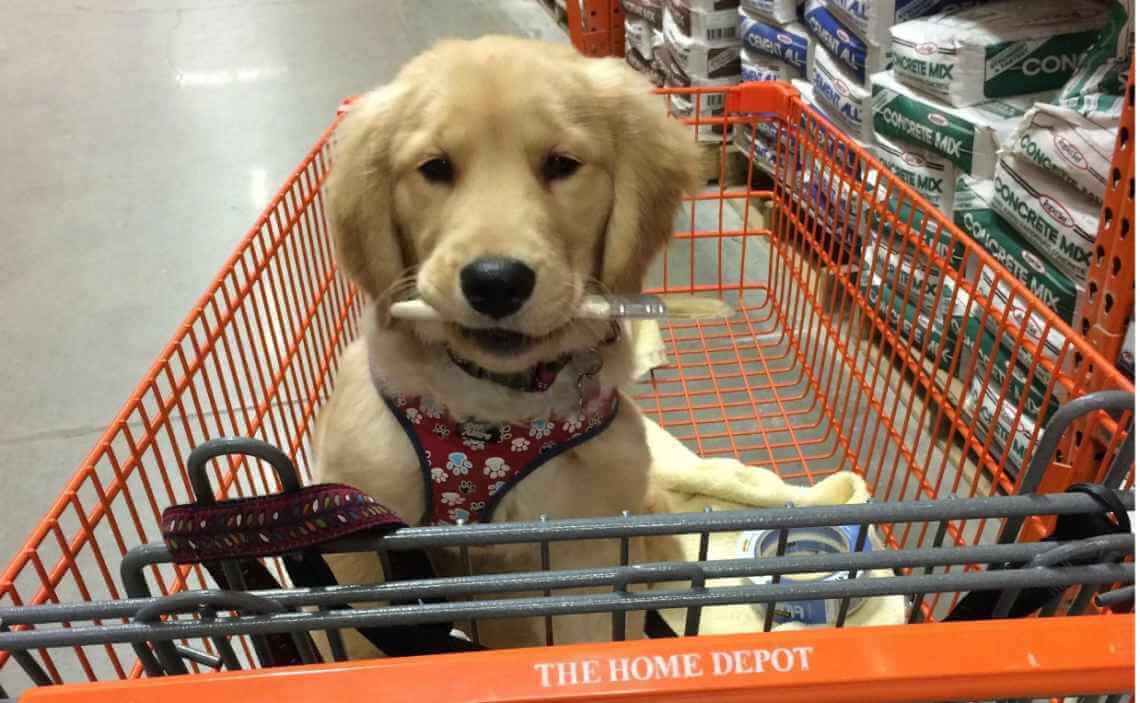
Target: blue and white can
[[762, 544]]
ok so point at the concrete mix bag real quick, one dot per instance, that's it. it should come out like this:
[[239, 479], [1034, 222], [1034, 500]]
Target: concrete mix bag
[[901, 233], [816, 141], [923, 287], [827, 196], [1011, 430], [996, 50], [761, 67], [931, 175], [975, 216], [1024, 376], [914, 221], [788, 42], [968, 136], [846, 101], [653, 68], [908, 323], [699, 59], [1126, 362], [861, 58], [642, 42], [1073, 140], [1103, 69], [1075, 136], [872, 19], [713, 22], [1057, 219], [778, 11], [654, 71]]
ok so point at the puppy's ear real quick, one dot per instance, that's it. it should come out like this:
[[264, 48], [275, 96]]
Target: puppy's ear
[[658, 161], [359, 192]]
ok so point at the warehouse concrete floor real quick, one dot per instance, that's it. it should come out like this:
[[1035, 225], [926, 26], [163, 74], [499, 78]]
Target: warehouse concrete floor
[[140, 140]]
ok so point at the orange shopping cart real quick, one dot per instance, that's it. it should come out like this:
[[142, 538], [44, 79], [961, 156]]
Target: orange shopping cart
[[871, 335]]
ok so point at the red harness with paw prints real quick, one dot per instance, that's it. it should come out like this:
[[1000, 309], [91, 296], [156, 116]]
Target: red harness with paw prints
[[468, 466]]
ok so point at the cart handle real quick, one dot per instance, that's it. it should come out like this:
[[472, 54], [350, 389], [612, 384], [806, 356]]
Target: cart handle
[[246, 446], [1109, 401]]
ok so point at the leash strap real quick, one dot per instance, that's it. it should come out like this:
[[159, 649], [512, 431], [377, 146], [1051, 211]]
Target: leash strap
[[293, 525], [269, 526], [656, 627], [282, 648]]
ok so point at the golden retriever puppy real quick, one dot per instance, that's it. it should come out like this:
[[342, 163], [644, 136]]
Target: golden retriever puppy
[[500, 180]]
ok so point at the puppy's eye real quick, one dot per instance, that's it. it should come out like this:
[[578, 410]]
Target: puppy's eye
[[438, 170], [558, 166]]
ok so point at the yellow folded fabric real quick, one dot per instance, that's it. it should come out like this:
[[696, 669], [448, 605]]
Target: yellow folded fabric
[[648, 347], [683, 482]]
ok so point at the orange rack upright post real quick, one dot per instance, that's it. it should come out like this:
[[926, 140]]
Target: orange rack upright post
[[596, 27], [1109, 299]]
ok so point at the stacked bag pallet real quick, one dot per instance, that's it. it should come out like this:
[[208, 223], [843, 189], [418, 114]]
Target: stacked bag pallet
[[775, 47], [1004, 115], [851, 50], [850, 45], [775, 43], [841, 66], [999, 113], [702, 50], [645, 38]]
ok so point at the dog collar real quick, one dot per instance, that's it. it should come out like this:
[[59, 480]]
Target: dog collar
[[540, 377], [536, 379]]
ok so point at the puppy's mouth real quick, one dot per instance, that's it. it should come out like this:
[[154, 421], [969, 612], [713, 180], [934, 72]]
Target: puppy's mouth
[[498, 341]]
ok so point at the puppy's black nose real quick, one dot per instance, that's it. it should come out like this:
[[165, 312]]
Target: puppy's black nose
[[495, 286]]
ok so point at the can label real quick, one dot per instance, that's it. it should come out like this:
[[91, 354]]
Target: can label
[[761, 544]]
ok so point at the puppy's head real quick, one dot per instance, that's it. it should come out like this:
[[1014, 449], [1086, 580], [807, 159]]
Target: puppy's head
[[501, 180]]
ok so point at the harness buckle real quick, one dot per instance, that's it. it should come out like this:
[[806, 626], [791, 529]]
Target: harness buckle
[[593, 364]]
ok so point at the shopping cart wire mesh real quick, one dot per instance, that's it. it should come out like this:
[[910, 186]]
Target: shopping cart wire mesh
[[864, 340]]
